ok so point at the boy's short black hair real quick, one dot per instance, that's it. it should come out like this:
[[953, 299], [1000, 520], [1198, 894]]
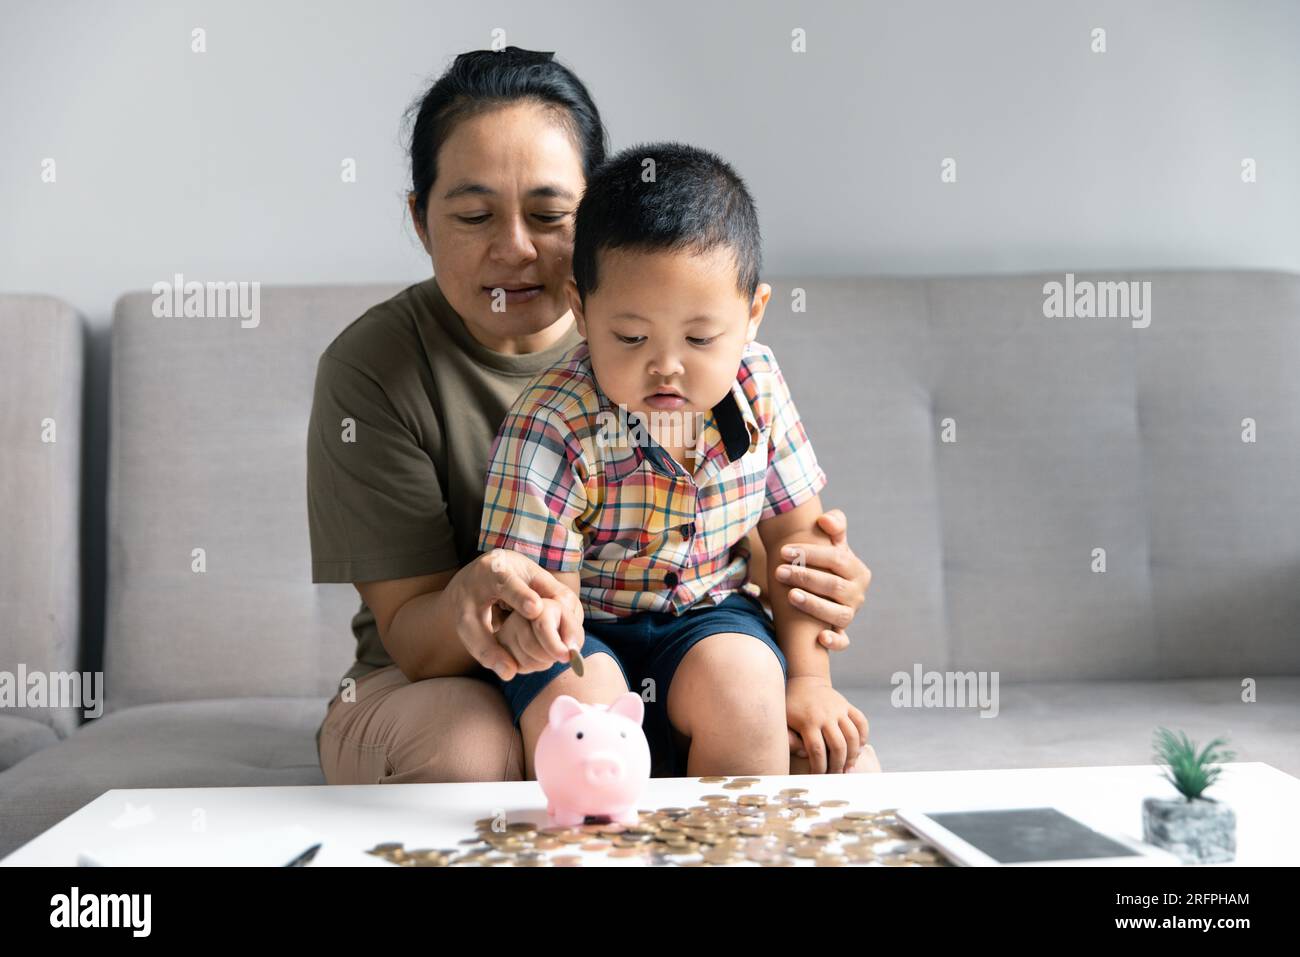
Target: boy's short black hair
[[688, 200]]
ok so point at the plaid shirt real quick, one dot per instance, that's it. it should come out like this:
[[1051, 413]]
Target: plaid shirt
[[572, 493]]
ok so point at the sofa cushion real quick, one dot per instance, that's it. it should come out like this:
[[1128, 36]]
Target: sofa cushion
[[213, 743], [1086, 724], [20, 737]]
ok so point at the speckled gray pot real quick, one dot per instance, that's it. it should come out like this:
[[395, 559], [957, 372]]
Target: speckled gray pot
[[1202, 831]]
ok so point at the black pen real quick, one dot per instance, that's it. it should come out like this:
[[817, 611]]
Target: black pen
[[303, 859]]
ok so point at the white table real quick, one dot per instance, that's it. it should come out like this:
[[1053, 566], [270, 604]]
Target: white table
[[351, 819]]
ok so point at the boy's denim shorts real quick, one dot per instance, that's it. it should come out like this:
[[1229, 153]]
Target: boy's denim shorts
[[652, 645]]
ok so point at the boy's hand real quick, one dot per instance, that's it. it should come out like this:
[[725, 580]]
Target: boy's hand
[[832, 730], [533, 645]]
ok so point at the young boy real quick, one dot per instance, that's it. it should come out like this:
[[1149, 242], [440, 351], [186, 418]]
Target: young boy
[[635, 467]]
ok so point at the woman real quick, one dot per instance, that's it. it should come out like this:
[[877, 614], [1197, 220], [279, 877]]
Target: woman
[[407, 402]]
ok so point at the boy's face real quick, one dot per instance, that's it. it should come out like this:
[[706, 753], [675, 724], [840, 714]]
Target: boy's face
[[667, 322]]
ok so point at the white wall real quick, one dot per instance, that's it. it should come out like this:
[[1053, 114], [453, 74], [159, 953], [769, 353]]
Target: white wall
[[225, 165]]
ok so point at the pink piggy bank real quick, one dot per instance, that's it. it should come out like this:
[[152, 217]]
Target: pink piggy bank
[[593, 760]]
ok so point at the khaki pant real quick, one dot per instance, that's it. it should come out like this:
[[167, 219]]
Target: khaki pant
[[430, 731], [434, 731]]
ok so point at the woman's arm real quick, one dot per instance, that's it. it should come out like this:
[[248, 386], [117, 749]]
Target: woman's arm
[[834, 578], [444, 624], [797, 630], [830, 582], [411, 615]]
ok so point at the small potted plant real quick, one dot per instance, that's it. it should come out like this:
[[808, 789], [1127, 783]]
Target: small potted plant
[[1198, 829]]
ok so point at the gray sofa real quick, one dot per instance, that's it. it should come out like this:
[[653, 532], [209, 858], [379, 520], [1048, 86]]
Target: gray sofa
[[1070, 435]]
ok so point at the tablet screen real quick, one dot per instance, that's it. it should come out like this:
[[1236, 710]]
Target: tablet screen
[[1030, 834]]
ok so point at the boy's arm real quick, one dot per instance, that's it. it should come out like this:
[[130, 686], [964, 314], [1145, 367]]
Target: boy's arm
[[796, 630]]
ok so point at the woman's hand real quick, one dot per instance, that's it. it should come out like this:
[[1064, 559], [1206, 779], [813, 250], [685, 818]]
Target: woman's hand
[[547, 617], [830, 582]]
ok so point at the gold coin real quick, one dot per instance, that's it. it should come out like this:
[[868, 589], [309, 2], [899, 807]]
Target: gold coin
[[626, 851], [575, 661], [737, 785], [837, 802], [712, 779]]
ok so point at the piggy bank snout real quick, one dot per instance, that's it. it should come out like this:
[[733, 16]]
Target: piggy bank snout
[[603, 767]]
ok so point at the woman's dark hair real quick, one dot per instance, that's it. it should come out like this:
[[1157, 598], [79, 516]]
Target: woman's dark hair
[[485, 80]]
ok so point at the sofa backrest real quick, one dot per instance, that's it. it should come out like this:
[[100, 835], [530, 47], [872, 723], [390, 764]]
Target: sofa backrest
[[1067, 435], [983, 452], [41, 374], [208, 427]]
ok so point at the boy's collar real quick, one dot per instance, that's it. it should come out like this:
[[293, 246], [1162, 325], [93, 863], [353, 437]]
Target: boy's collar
[[732, 418]]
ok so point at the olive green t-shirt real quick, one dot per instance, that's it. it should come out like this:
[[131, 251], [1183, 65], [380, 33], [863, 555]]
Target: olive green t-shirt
[[406, 406]]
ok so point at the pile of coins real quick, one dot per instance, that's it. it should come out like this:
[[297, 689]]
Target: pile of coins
[[721, 830]]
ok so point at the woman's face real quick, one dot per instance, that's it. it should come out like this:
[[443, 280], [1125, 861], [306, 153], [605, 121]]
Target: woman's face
[[499, 225]]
